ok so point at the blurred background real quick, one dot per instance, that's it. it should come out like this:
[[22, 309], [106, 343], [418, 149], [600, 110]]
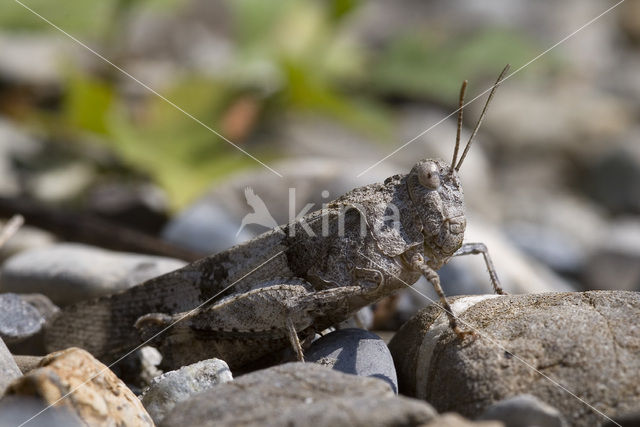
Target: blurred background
[[320, 90]]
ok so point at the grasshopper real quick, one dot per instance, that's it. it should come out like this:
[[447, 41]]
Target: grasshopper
[[285, 285]]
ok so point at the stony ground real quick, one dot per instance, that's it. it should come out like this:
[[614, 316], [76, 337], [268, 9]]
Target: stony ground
[[551, 186]]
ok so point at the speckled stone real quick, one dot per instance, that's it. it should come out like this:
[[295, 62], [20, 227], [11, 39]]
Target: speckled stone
[[524, 410], [175, 386], [357, 352], [586, 341], [9, 371], [299, 394], [70, 272], [18, 319]]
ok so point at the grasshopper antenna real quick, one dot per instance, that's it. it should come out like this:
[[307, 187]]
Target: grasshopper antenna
[[461, 105], [484, 112]]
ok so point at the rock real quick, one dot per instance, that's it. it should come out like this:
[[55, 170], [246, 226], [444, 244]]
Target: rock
[[26, 238], [15, 145], [42, 67], [41, 303], [518, 272], [68, 273], [553, 247], [608, 176], [45, 311], [139, 368], [8, 368], [27, 363], [62, 183], [297, 394], [523, 411], [455, 420], [564, 213], [205, 227], [356, 352], [103, 399], [585, 341], [141, 206], [150, 359], [16, 410], [172, 387], [362, 319], [568, 125], [18, 319], [615, 262]]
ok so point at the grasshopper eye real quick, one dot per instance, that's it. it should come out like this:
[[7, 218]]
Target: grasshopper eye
[[428, 175]]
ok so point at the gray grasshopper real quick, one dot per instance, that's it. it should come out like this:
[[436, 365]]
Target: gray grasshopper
[[285, 285]]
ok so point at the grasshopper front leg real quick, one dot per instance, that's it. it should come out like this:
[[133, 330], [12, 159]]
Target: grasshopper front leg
[[481, 248], [418, 264]]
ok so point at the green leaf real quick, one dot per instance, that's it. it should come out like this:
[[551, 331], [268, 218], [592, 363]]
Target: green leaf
[[87, 103], [81, 18], [418, 65]]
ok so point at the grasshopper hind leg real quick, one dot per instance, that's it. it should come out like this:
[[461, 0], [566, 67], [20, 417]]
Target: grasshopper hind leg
[[295, 341]]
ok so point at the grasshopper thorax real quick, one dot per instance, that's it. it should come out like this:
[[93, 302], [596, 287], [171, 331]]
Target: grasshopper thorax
[[436, 193]]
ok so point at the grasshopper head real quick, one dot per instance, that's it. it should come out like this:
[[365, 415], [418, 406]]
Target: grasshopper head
[[434, 187], [435, 190]]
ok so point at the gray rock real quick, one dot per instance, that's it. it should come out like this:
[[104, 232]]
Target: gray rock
[[607, 179], [356, 352], [451, 419], [524, 410], [569, 125], [18, 319], [299, 394], [172, 387], [205, 227], [150, 359], [553, 247], [585, 341], [41, 303], [139, 368], [139, 205], [26, 238], [41, 67], [62, 183], [362, 319], [27, 363], [15, 410], [15, 144], [20, 338], [615, 262], [8, 368], [68, 273]]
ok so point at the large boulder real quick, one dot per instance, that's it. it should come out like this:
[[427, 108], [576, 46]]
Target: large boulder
[[577, 352]]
